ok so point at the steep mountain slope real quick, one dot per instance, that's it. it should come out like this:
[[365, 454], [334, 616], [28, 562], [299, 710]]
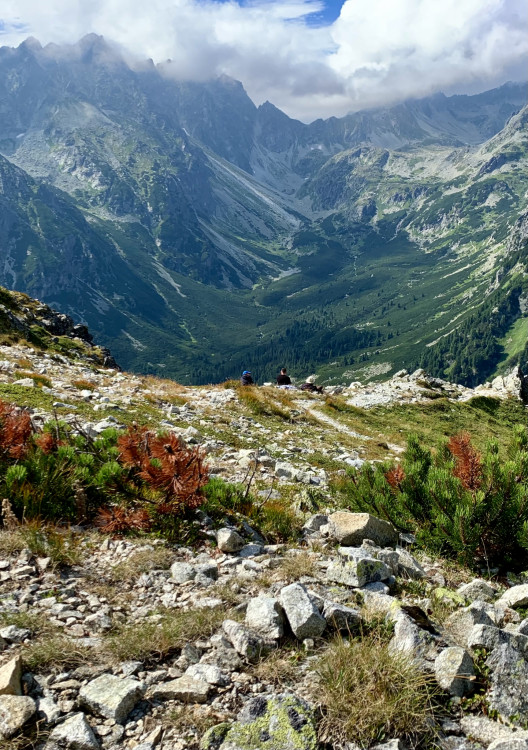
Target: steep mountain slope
[[197, 234]]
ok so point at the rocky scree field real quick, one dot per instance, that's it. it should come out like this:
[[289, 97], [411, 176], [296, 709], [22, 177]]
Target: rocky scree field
[[242, 568]]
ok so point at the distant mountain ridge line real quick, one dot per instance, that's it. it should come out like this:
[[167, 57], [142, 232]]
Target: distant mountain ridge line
[[169, 216]]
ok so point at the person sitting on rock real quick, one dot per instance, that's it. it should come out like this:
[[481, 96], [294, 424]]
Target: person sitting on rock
[[309, 385], [283, 378], [246, 378]]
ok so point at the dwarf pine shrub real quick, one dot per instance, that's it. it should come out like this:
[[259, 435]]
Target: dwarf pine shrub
[[458, 502], [137, 480]]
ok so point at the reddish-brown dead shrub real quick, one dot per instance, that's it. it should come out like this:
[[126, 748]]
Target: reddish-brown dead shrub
[[47, 442], [468, 463], [164, 464], [395, 477], [15, 432], [117, 520]]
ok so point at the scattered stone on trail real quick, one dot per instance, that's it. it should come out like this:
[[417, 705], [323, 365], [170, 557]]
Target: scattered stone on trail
[[12, 634], [206, 673], [265, 615], [182, 572], [110, 696], [461, 622], [303, 616], [278, 722], [186, 689], [73, 734], [247, 643], [508, 694], [350, 529], [357, 571], [10, 675], [477, 590], [517, 596], [15, 711], [454, 671], [229, 540]]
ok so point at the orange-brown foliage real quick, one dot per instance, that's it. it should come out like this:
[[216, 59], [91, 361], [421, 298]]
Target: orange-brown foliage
[[468, 464], [395, 477], [47, 442], [165, 465], [117, 520], [15, 432]]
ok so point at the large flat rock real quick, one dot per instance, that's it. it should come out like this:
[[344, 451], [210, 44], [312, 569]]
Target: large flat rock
[[350, 529], [111, 696]]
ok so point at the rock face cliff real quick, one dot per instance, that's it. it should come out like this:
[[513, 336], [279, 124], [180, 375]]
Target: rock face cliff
[[25, 319]]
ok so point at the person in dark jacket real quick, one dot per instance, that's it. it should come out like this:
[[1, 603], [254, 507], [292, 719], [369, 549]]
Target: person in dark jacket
[[246, 378], [283, 378]]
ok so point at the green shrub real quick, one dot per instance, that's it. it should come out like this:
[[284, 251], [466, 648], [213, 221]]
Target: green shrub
[[458, 502]]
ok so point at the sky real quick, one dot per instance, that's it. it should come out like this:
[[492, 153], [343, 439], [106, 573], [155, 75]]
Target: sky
[[311, 58]]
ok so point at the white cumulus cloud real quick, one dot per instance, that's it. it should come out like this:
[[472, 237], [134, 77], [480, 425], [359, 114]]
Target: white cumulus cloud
[[377, 51]]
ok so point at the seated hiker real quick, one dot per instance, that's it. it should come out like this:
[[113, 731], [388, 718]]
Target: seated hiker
[[246, 378], [283, 378], [309, 385]]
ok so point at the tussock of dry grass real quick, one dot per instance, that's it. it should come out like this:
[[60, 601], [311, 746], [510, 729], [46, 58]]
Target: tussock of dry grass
[[11, 542], [55, 652], [44, 540], [156, 639], [280, 668], [294, 567], [266, 401], [82, 384], [142, 561], [191, 723], [368, 694]]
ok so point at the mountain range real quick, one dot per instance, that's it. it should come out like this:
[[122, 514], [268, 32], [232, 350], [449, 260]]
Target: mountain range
[[198, 235]]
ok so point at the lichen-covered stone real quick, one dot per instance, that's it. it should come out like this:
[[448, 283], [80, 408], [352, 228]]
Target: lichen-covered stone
[[508, 694], [358, 572], [214, 737], [340, 617], [489, 637], [460, 624], [477, 590], [279, 722], [517, 596], [247, 643]]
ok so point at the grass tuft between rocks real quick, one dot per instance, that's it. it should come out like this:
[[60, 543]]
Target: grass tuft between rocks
[[55, 651], [158, 637], [367, 693], [142, 561]]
